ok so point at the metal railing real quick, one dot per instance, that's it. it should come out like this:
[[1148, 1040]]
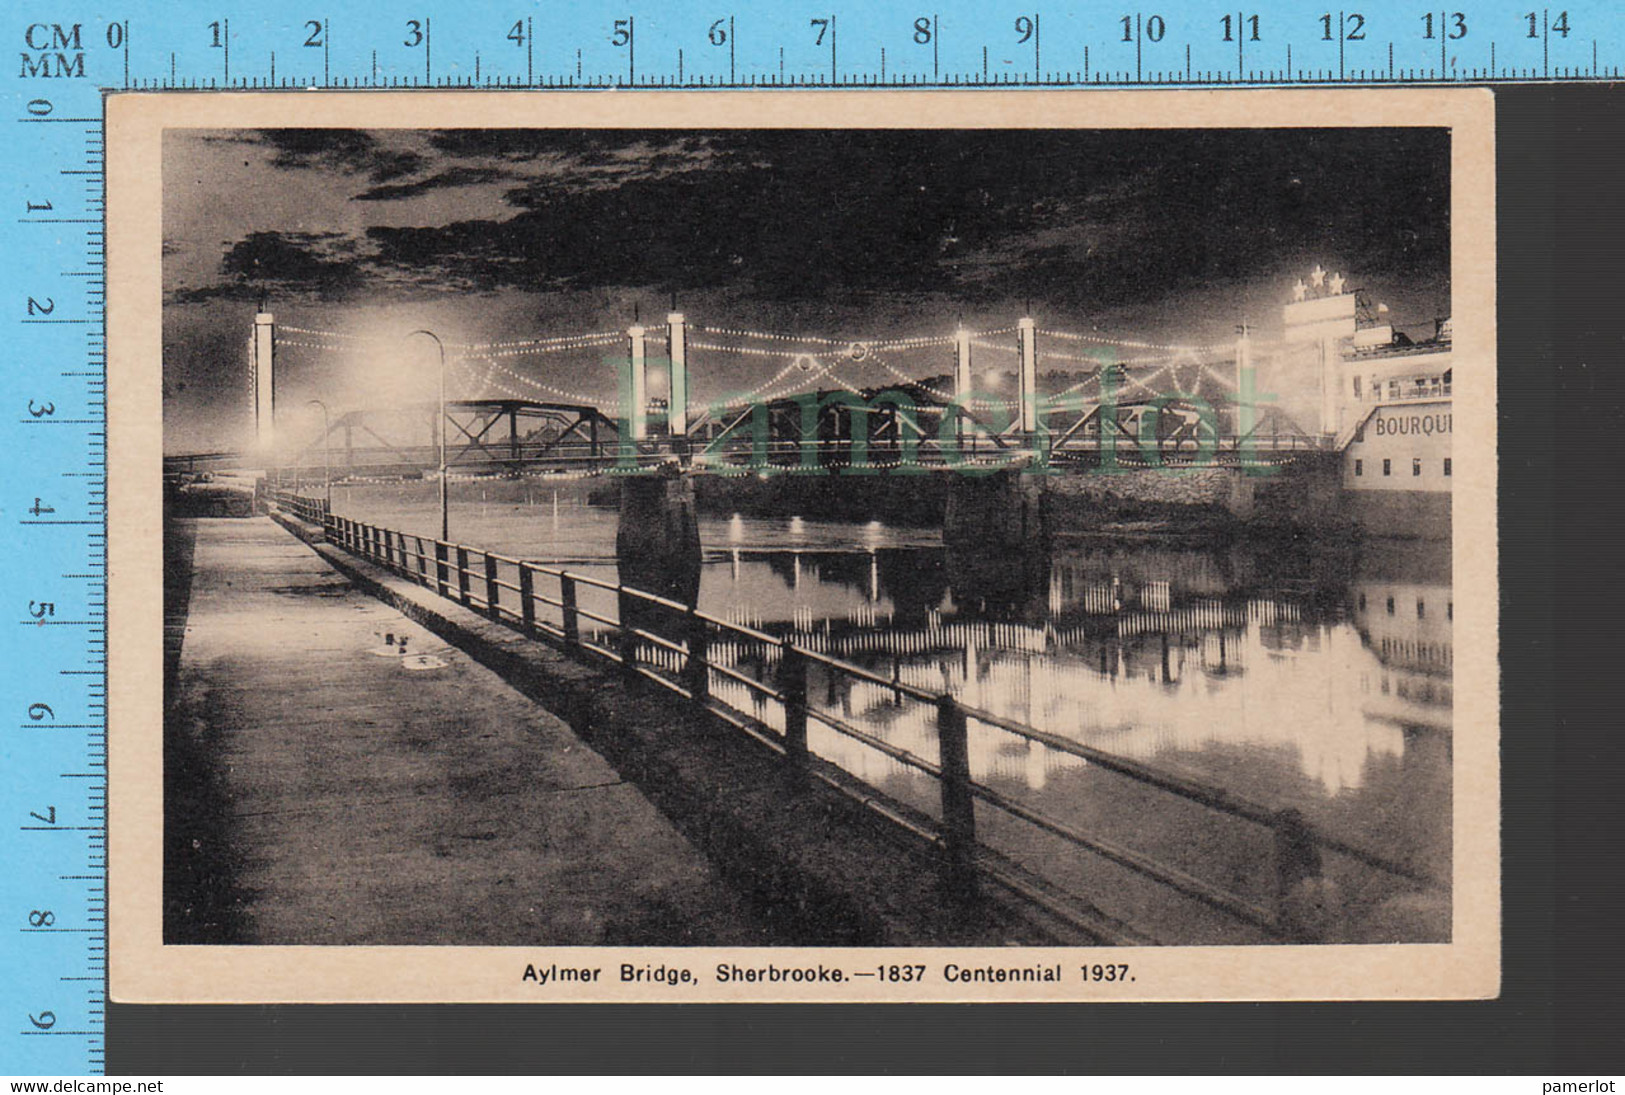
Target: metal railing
[[669, 643], [311, 510]]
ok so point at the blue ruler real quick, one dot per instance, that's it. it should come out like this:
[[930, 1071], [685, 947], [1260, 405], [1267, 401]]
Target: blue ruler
[[53, 820]]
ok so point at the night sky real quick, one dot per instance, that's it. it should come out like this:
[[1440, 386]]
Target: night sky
[[490, 235]]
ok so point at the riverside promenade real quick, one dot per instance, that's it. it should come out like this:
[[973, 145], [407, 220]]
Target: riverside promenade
[[323, 792]]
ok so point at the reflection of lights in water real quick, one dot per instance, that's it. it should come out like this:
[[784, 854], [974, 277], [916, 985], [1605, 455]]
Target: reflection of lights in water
[[798, 528], [736, 529], [1004, 668]]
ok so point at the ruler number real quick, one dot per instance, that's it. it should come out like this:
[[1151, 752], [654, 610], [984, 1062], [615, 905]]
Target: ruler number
[[45, 1020], [1249, 27], [1024, 29], [823, 28], [1155, 28], [622, 33], [718, 34], [35, 308], [38, 207], [115, 35], [314, 40], [51, 820], [1354, 24], [922, 30], [41, 918], [1454, 24], [39, 610], [516, 34], [41, 410], [37, 712], [214, 39], [1561, 24], [414, 34]]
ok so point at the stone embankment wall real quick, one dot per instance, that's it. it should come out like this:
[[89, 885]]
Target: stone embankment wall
[[1303, 496]]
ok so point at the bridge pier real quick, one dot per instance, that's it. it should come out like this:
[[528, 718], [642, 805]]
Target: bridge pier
[[996, 536], [657, 550]]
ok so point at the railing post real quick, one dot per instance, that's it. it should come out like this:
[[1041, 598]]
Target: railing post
[[440, 572], [389, 548], [1297, 875], [492, 590], [571, 621], [423, 560], [792, 681], [527, 600], [462, 574], [628, 640], [958, 804], [697, 668]]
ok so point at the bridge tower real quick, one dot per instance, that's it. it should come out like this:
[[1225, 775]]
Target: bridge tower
[[962, 379], [677, 399], [1244, 363], [1028, 410], [262, 374], [638, 397]]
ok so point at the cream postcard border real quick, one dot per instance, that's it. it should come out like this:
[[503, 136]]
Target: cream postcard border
[[142, 969]]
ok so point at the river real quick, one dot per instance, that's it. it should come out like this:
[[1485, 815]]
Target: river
[[1310, 677]]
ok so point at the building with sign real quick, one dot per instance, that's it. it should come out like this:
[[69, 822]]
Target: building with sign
[[1385, 402]]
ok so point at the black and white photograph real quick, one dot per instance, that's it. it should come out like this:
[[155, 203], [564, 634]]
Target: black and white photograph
[[884, 554]]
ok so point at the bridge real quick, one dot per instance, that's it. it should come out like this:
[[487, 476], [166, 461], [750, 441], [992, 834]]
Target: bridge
[[509, 411]]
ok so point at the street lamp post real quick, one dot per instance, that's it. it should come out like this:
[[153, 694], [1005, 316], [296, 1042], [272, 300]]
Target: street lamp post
[[327, 454], [440, 431]]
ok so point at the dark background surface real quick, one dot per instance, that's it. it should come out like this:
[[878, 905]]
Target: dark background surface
[[1561, 155]]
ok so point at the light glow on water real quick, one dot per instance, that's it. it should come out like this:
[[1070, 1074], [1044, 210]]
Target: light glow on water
[[1288, 678]]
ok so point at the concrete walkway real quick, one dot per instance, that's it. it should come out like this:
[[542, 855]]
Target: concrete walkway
[[367, 802]]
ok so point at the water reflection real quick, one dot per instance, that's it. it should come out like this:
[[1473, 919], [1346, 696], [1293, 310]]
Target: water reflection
[[1312, 678]]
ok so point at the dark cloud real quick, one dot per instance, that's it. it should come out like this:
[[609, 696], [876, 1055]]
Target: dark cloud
[[445, 180], [351, 151], [319, 263], [585, 145]]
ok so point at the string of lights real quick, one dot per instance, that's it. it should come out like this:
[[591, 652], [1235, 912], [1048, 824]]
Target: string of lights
[[590, 337], [914, 342], [1103, 340], [771, 336], [278, 340], [535, 384], [996, 347], [748, 351], [583, 343], [280, 327]]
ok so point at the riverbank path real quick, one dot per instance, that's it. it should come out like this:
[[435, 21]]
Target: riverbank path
[[335, 790]]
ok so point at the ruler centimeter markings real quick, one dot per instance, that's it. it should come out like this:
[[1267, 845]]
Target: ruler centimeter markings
[[52, 400], [52, 405]]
